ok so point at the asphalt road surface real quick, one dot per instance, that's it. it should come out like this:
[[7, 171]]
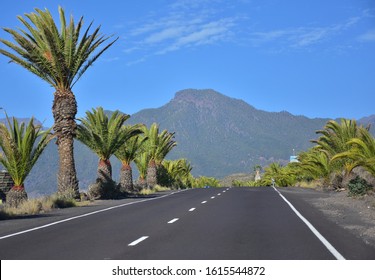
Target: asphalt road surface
[[213, 223]]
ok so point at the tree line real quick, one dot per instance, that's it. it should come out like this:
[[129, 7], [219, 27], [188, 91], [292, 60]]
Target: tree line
[[343, 157]]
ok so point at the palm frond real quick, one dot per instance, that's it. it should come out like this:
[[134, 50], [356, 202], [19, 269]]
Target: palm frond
[[102, 134], [60, 56], [21, 147]]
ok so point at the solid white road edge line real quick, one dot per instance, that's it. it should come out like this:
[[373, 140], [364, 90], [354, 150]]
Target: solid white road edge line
[[325, 242], [173, 220], [139, 240], [85, 215]]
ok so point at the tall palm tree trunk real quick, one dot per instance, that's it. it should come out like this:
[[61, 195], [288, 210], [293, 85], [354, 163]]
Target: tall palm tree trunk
[[151, 174], [126, 178], [64, 110], [104, 173]]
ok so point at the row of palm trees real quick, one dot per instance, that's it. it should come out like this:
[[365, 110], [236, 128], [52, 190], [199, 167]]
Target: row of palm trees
[[106, 135], [341, 147]]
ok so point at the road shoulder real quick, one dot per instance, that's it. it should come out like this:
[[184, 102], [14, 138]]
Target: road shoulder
[[18, 224], [356, 215]]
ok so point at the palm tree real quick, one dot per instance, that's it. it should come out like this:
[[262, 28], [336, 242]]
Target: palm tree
[[141, 162], [334, 140], [59, 57], [20, 151], [127, 154], [362, 152], [283, 176], [158, 145], [179, 172], [316, 165], [104, 136]]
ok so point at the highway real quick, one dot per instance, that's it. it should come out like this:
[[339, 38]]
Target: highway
[[212, 223]]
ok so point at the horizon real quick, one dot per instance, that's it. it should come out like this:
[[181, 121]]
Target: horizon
[[203, 90], [316, 62]]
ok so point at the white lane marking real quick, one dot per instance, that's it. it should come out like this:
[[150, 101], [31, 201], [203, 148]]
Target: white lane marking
[[212, 197], [219, 194], [325, 242], [203, 202], [139, 240], [191, 209], [172, 221], [85, 215]]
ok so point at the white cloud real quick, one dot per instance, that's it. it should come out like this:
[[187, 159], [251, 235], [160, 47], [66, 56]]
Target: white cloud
[[301, 37], [165, 34], [369, 36], [184, 24], [208, 33]]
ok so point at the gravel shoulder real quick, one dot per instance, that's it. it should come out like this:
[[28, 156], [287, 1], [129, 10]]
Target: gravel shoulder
[[355, 214]]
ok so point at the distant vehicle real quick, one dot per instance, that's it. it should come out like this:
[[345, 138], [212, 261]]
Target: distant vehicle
[[206, 187]]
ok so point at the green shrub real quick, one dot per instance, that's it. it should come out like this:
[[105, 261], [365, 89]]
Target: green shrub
[[358, 186]]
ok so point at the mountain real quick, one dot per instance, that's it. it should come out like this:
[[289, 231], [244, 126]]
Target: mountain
[[219, 135], [222, 135], [370, 120]]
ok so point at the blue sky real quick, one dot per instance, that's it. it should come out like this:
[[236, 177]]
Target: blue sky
[[313, 58]]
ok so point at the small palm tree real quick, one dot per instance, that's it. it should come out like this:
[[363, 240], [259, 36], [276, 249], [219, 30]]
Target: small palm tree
[[158, 145], [362, 152], [20, 151], [141, 162], [334, 140], [283, 176], [316, 164], [104, 136], [179, 172], [127, 154], [60, 57]]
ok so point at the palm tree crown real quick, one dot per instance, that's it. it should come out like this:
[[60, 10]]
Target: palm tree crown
[[60, 57]]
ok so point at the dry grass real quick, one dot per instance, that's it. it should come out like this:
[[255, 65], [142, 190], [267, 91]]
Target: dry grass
[[38, 206], [146, 191], [158, 188], [308, 185], [155, 189]]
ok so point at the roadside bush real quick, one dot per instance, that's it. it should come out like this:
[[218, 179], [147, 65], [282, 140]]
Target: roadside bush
[[358, 186]]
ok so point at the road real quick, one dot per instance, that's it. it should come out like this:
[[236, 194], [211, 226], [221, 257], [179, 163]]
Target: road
[[213, 223]]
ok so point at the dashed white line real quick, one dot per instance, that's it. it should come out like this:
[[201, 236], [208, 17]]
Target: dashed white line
[[139, 240], [191, 209], [212, 197], [172, 221], [219, 194], [85, 215], [203, 202]]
